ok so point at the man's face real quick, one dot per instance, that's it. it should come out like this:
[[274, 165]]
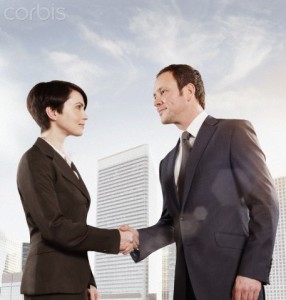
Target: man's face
[[169, 101]]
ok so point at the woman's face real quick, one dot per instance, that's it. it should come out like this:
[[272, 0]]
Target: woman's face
[[73, 117]]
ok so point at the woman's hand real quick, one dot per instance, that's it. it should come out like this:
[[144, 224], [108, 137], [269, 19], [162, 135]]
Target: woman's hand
[[93, 293]]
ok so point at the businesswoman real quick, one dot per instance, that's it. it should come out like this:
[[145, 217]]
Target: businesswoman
[[56, 202]]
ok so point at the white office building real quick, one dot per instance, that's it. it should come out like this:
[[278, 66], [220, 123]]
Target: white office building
[[277, 288], [11, 284], [10, 254], [169, 263], [128, 194], [10, 262]]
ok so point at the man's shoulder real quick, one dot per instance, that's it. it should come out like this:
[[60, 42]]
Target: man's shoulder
[[233, 123], [224, 121]]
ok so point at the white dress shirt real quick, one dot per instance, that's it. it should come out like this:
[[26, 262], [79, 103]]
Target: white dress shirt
[[193, 129]]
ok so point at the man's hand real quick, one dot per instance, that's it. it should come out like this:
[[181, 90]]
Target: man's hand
[[93, 293], [246, 289], [129, 239]]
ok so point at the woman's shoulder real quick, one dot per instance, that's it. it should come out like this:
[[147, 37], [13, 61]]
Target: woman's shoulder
[[35, 158]]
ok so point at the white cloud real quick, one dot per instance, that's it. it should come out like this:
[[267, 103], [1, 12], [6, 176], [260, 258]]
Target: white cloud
[[116, 48], [172, 38], [11, 49], [72, 68], [249, 44], [122, 51], [2, 62], [236, 103], [161, 33], [5, 35], [14, 120], [233, 45]]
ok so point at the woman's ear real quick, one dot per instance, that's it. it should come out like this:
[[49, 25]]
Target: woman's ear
[[52, 113]]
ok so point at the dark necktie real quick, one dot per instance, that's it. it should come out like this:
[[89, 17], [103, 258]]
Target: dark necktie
[[186, 150]]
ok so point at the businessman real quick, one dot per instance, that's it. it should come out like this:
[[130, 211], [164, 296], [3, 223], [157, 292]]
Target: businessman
[[219, 202]]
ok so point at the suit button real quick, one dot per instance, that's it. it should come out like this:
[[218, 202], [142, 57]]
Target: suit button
[[181, 218]]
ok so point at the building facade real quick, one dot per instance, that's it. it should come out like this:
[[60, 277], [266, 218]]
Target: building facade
[[277, 288], [127, 194], [10, 254], [168, 268], [11, 283], [25, 252], [10, 263]]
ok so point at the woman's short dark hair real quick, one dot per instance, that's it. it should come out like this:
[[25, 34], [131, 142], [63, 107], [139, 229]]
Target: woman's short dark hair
[[185, 74], [50, 94]]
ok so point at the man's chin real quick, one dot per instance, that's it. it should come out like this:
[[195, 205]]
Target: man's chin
[[165, 121]]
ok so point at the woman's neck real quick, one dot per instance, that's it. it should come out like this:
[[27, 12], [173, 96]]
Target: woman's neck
[[55, 140]]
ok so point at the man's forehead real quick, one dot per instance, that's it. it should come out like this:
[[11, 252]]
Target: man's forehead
[[164, 80], [157, 87]]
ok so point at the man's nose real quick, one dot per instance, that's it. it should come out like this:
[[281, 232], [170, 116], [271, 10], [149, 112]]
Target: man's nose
[[157, 101]]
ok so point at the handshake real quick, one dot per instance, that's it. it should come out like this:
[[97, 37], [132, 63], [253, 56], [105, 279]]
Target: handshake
[[129, 239]]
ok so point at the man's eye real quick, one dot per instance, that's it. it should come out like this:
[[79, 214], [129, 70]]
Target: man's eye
[[163, 92]]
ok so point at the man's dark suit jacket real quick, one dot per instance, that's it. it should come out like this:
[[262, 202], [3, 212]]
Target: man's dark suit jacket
[[227, 222], [56, 203]]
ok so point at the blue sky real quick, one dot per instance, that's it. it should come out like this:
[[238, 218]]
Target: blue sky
[[113, 50]]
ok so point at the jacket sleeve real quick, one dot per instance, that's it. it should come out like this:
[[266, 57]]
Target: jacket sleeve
[[257, 190], [36, 184], [155, 237]]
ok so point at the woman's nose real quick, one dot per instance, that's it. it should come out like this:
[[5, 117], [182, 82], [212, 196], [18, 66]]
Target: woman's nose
[[85, 116]]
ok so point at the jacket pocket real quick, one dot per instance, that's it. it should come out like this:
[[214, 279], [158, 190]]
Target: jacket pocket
[[228, 240]]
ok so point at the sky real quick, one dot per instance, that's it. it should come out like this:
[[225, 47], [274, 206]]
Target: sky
[[113, 49]]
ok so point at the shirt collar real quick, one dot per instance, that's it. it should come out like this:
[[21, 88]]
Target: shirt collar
[[63, 154], [196, 124]]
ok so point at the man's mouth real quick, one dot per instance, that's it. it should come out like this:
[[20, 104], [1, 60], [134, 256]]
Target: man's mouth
[[160, 111]]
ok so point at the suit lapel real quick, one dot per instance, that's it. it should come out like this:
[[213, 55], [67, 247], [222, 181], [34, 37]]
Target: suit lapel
[[204, 135], [171, 168], [65, 169], [69, 174], [171, 185]]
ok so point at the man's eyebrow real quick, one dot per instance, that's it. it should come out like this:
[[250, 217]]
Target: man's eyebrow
[[158, 90]]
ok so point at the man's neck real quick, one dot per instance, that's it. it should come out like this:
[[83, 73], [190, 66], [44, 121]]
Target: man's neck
[[190, 118]]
